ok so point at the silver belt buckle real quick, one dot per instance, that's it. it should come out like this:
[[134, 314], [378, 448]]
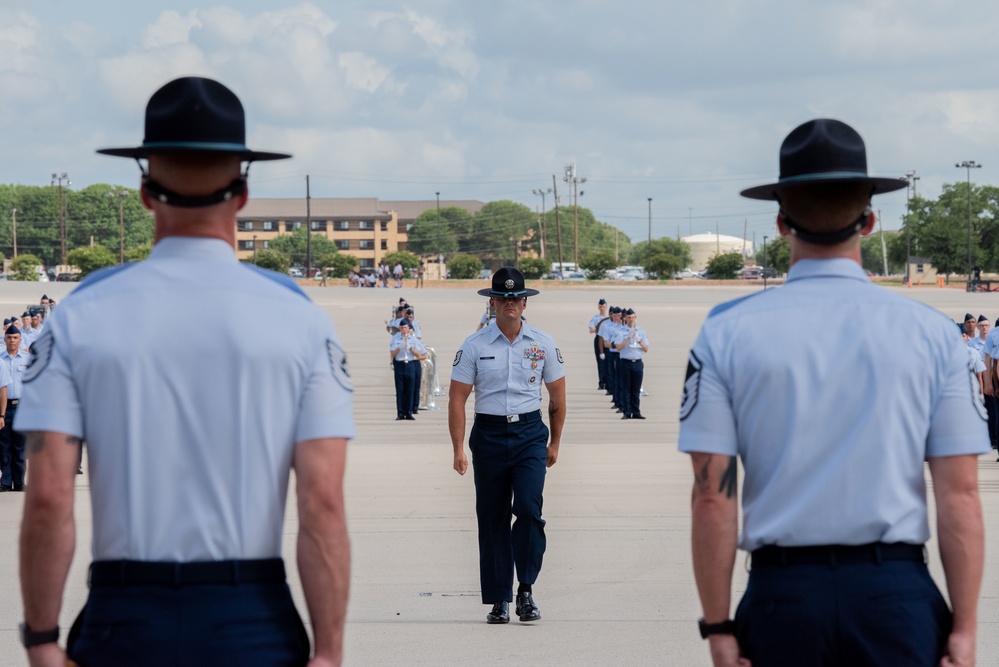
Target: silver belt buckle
[[512, 418]]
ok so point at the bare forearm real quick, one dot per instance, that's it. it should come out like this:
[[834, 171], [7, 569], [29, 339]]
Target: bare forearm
[[713, 541], [961, 537], [48, 539], [456, 424], [324, 566], [556, 420]]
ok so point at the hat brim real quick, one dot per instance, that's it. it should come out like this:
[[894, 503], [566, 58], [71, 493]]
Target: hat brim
[[504, 295], [878, 184], [145, 150]]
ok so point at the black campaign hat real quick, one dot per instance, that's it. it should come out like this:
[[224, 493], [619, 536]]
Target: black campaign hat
[[823, 151], [508, 282], [194, 115]]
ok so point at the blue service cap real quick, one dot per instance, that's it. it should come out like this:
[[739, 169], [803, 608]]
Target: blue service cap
[[969, 316], [12, 330], [25, 314], [629, 312], [6, 321], [405, 322], [615, 309], [982, 318], [960, 327], [602, 302], [401, 300]]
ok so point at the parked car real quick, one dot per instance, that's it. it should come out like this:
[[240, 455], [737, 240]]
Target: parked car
[[631, 273], [66, 277], [296, 272], [485, 274], [686, 273], [574, 275], [750, 273]]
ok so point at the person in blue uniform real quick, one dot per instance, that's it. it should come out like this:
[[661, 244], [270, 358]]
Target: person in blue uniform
[[405, 352], [607, 331], [506, 363], [632, 343], [414, 324], [600, 357], [15, 358], [190, 446], [833, 429]]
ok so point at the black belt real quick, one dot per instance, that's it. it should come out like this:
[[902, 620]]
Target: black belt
[[12, 402], [508, 419], [634, 361], [836, 554], [145, 573]]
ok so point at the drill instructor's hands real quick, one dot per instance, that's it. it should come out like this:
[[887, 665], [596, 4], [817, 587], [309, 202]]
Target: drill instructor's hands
[[460, 462]]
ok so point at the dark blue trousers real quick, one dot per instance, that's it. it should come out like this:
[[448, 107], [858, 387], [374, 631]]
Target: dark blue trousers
[[153, 626], [405, 379], [992, 408], [612, 359], [629, 378], [11, 453], [601, 364], [509, 464], [856, 615], [418, 368]]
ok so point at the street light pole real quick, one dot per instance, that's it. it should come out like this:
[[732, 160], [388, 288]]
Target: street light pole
[[649, 250], [570, 177], [120, 194], [13, 219], [910, 179], [254, 249], [968, 165], [765, 261], [57, 179]]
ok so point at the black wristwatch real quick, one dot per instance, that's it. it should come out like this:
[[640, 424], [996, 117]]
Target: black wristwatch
[[31, 637], [726, 627]]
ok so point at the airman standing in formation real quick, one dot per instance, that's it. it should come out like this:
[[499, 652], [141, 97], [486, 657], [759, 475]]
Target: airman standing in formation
[[597, 352], [632, 343], [406, 351]]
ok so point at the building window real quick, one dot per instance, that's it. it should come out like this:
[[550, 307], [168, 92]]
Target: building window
[[366, 244], [246, 226], [365, 225], [384, 244], [268, 226], [384, 225], [267, 244], [343, 245], [343, 225], [367, 263], [319, 225], [247, 245]]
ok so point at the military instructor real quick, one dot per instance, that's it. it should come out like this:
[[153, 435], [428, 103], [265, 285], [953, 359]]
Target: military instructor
[[506, 362]]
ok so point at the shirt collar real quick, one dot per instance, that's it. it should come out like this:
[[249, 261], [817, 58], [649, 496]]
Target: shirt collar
[[838, 267], [193, 247], [524, 331]]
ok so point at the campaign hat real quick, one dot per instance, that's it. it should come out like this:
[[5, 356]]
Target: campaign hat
[[508, 282], [194, 114], [823, 150]]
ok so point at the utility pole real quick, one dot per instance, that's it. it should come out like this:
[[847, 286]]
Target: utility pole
[[57, 179], [541, 227], [648, 249], [13, 219], [570, 177], [884, 248], [254, 249], [558, 225], [969, 165], [120, 194], [308, 229], [911, 179]]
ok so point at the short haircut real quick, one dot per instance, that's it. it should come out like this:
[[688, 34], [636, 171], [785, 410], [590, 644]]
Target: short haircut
[[824, 208]]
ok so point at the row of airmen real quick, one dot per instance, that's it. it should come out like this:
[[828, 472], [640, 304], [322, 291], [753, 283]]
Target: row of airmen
[[619, 346], [983, 349], [406, 354]]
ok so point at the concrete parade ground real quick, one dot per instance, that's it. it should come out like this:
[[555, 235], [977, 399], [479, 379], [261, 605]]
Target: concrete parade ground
[[617, 585]]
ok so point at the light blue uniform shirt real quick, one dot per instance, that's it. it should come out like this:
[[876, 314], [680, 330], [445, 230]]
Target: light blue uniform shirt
[[977, 344], [190, 440], [977, 363], [15, 367], [507, 376], [629, 352], [595, 320], [832, 425], [413, 344], [991, 346], [607, 331]]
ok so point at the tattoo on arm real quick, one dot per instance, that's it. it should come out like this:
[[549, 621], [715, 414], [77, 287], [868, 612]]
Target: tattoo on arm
[[730, 480], [34, 442], [701, 476]]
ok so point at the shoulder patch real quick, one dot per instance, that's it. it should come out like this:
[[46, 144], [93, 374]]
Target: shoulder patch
[[691, 386], [457, 358], [338, 364], [41, 353], [558, 355]]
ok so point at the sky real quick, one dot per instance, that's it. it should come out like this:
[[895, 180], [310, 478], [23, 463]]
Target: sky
[[684, 103]]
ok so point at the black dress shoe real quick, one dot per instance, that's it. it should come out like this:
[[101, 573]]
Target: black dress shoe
[[19, 487], [410, 418], [637, 415], [399, 418], [619, 410], [5, 488], [499, 614], [526, 609], [625, 416]]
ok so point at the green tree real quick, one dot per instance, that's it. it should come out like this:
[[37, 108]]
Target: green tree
[[463, 267], [725, 265], [90, 259], [593, 235], [497, 229], [597, 263], [431, 234], [776, 255], [269, 258], [664, 265], [407, 259], [533, 267], [138, 253], [664, 257], [295, 246], [24, 267], [342, 264]]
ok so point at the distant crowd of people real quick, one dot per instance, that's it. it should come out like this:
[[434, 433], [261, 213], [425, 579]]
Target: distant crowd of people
[[983, 352], [380, 276]]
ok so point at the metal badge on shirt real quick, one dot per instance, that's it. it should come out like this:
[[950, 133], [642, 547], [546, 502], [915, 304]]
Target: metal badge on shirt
[[41, 353], [691, 386], [338, 364]]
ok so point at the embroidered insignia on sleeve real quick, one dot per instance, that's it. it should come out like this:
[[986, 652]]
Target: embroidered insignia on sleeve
[[691, 386], [457, 358], [558, 355], [338, 364], [41, 353]]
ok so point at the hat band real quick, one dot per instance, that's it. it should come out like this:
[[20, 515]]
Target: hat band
[[507, 295], [197, 145], [825, 239], [824, 175], [171, 198]]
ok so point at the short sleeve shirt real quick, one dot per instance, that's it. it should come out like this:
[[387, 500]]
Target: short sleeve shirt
[[628, 352], [507, 376], [832, 426], [190, 439], [413, 344]]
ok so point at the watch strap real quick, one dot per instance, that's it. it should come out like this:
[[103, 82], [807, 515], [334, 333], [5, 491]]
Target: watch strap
[[31, 637], [726, 627]]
